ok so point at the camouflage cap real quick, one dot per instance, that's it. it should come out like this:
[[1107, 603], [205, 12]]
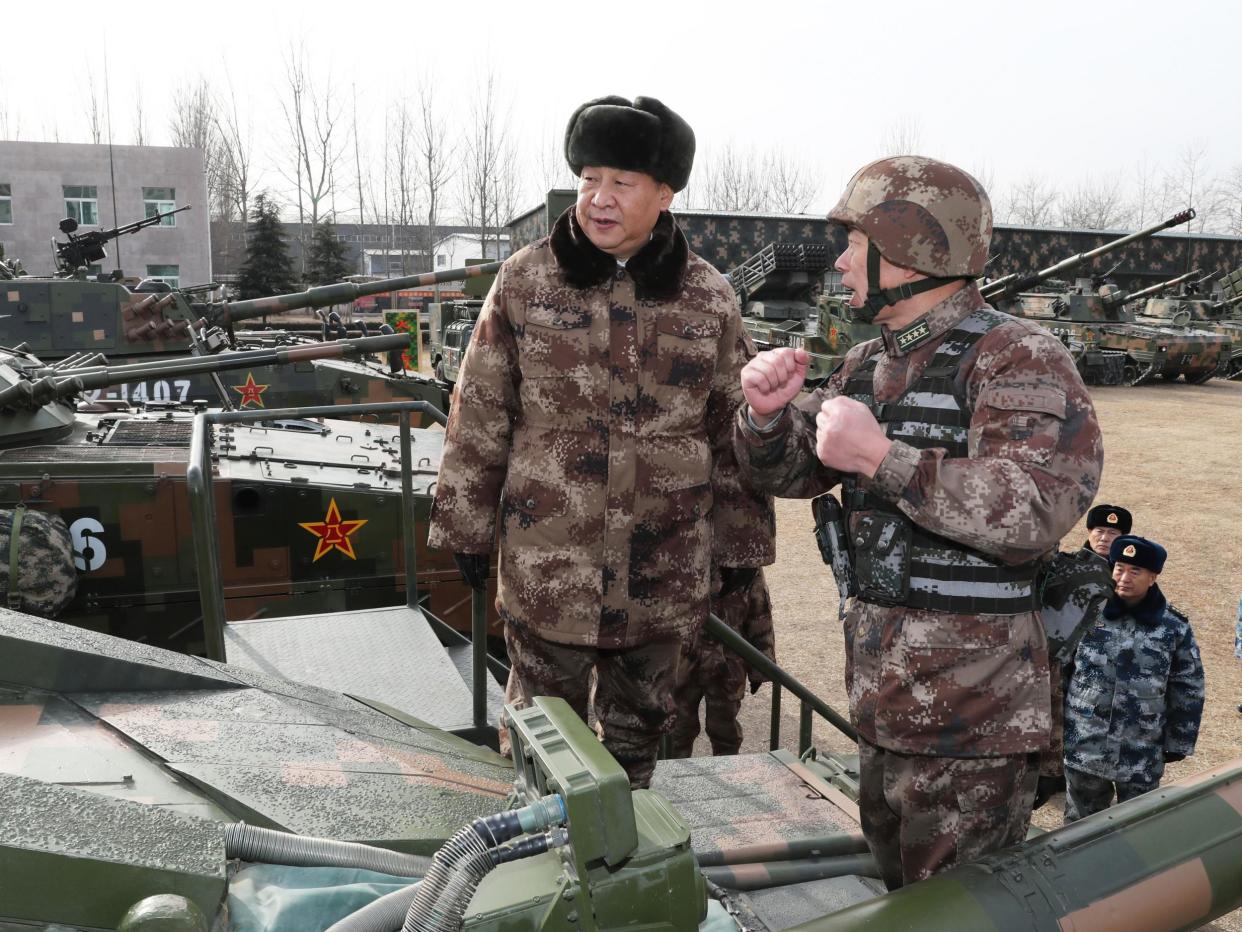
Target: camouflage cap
[[643, 136], [920, 213]]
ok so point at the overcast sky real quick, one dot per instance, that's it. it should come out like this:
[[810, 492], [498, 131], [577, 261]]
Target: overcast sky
[[1068, 90]]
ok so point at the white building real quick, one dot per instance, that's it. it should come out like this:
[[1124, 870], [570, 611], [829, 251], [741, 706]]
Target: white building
[[455, 249], [42, 183]]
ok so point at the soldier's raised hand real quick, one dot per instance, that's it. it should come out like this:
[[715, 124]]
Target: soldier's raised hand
[[773, 379], [848, 438]]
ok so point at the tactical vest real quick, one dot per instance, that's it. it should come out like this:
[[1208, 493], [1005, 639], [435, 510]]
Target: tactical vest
[[895, 562]]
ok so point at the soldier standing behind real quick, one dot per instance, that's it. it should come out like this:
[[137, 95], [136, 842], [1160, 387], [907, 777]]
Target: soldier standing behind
[[966, 446], [1105, 523], [1136, 695], [712, 675], [593, 420]]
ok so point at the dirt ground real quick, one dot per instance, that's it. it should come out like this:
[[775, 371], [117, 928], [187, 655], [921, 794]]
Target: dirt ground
[[1172, 456]]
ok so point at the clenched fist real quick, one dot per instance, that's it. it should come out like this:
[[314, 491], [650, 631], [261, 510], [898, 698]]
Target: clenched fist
[[848, 438], [773, 379]]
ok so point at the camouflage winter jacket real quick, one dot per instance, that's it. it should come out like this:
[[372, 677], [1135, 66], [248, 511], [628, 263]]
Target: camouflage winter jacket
[[593, 420], [928, 682], [1136, 692]]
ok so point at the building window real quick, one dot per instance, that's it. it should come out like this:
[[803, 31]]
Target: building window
[[6, 203], [82, 204], [160, 201], [166, 273], [441, 260]]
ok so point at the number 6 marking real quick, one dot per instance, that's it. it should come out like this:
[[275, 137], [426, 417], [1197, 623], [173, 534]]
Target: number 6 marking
[[89, 552]]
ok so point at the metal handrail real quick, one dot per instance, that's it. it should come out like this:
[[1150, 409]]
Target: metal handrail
[[202, 499], [781, 678]]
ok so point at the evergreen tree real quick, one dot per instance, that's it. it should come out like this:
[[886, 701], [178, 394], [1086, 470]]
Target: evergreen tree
[[327, 262], [267, 269]]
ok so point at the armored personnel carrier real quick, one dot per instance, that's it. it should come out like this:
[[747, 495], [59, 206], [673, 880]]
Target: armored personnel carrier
[[306, 509], [1109, 346], [147, 791], [72, 316]]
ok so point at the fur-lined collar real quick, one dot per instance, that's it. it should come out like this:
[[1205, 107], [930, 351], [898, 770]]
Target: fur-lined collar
[[1149, 611], [659, 268]]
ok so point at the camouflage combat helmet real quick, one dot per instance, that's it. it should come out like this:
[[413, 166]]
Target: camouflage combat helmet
[[920, 214]]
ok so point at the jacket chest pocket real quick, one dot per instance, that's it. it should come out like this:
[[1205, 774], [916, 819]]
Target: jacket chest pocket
[[686, 349], [555, 341]]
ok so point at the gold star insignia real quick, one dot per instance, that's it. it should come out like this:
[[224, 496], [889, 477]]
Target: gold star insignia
[[1129, 551], [333, 533], [250, 392]]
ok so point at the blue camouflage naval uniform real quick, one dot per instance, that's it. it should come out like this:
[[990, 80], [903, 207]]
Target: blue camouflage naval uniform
[[1136, 695]]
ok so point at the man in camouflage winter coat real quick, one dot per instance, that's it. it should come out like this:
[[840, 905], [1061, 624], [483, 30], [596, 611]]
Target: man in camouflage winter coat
[[1136, 695], [593, 421], [966, 446]]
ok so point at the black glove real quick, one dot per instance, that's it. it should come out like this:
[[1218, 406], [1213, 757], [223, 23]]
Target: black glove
[[473, 568], [733, 578], [1172, 757], [1046, 788]]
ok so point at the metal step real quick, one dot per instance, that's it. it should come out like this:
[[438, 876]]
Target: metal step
[[387, 654], [462, 656]]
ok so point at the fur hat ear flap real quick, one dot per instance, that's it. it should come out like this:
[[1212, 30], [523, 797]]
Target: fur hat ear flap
[[644, 136]]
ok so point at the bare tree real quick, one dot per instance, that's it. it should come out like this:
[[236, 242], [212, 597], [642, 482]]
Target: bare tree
[[983, 173], [195, 125], [1031, 202], [789, 185], [401, 168], [1095, 205], [435, 157], [484, 156], [93, 108], [233, 140], [312, 116], [731, 179], [140, 118], [902, 137], [1230, 220], [1189, 184], [551, 171]]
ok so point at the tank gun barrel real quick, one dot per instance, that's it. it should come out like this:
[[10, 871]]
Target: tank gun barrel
[[1015, 282], [63, 383], [1125, 297], [1226, 304], [339, 293]]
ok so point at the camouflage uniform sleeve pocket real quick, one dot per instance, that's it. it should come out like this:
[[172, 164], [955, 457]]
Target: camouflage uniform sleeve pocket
[[554, 340], [1019, 422]]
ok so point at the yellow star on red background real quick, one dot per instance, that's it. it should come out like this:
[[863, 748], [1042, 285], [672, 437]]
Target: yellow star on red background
[[250, 392], [333, 533]]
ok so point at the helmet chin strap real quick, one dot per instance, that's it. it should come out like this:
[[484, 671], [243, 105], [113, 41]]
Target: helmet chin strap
[[879, 298]]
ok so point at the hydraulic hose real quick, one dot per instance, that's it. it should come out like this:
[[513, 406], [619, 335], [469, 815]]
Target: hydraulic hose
[[263, 845], [383, 915]]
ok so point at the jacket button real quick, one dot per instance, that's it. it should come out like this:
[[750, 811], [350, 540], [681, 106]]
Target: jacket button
[[860, 541], [530, 503]]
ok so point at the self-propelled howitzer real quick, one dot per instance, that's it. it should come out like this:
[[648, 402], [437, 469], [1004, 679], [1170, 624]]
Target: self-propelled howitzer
[[1009, 286]]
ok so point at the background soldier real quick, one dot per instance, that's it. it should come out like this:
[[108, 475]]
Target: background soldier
[[1136, 694], [1105, 523], [594, 414], [712, 675], [966, 447]]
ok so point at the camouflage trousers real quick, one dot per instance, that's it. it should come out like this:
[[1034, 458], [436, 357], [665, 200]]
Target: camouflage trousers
[[631, 692], [923, 814], [712, 673], [1085, 793]]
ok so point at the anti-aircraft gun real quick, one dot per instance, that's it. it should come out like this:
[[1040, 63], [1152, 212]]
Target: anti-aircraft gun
[[1110, 348], [778, 289], [83, 249]]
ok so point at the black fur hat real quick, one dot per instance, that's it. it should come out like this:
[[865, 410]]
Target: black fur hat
[[1138, 551], [643, 136], [1110, 516]]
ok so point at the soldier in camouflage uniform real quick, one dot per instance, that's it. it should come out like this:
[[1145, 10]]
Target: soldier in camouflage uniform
[[593, 422], [1136, 695], [966, 446], [712, 675]]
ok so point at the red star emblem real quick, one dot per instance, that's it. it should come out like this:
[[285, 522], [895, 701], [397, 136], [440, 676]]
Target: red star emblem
[[251, 394], [333, 533]]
